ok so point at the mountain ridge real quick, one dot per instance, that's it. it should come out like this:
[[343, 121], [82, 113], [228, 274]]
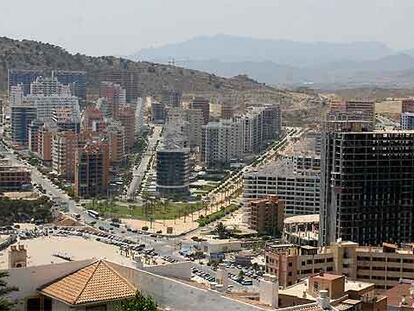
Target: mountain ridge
[[321, 64]]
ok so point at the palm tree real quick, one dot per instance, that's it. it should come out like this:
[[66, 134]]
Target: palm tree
[[5, 304]]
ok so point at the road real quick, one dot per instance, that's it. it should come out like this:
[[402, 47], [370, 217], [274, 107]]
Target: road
[[140, 170], [163, 245], [234, 183]]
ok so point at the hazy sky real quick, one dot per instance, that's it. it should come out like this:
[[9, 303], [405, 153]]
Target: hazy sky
[[100, 27]]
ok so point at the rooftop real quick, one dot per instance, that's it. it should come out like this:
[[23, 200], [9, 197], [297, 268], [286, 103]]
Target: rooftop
[[96, 282], [395, 295], [313, 218], [284, 168], [43, 251]]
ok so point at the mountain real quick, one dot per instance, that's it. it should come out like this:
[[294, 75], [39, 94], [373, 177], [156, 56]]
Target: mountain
[[283, 52], [289, 63], [150, 78]]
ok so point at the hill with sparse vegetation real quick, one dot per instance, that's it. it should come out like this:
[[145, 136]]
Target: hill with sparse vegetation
[[153, 79]]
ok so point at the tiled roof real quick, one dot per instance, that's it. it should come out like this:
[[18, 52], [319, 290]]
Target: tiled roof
[[396, 294], [96, 282]]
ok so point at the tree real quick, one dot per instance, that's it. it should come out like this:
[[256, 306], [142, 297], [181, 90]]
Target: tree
[[221, 231], [5, 304], [241, 275], [138, 303]]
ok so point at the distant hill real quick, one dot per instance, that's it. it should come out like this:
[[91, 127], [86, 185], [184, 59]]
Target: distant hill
[[282, 52], [290, 63], [151, 78]]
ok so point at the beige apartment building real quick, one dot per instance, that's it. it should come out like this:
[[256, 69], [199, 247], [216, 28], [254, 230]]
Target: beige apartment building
[[384, 266]]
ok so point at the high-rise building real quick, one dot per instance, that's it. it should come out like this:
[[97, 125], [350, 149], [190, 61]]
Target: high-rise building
[[21, 117], [139, 116], [22, 77], [33, 135], [66, 119], [76, 80], [158, 112], [191, 122], [126, 115], [266, 215], [114, 95], [227, 110], [116, 140], [171, 98], [127, 79], [407, 120], [295, 181], [272, 123], [93, 119], [44, 143], [222, 142], [173, 171], [204, 105], [354, 110], [48, 86], [46, 105], [173, 163], [261, 125], [92, 169], [367, 185], [16, 95], [194, 117], [64, 147]]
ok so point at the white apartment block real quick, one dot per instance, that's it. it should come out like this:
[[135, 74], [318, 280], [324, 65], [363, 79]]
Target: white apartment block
[[191, 122], [297, 186], [46, 105], [48, 86], [241, 136], [222, 142]]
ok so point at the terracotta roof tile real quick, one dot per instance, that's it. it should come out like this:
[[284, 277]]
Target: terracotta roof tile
[[94, 283], [395, 295]]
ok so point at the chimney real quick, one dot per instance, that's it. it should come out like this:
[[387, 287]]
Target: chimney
[[324, 300], [17, 256], [269, 291]]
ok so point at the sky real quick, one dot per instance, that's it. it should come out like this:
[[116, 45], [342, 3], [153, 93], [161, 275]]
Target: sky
[[122, 27]]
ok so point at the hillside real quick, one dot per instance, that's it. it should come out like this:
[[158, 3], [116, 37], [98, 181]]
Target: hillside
[[153, 79]]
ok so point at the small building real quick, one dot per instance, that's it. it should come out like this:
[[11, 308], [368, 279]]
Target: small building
[[14, 178], [212, 246], [266, 215]]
